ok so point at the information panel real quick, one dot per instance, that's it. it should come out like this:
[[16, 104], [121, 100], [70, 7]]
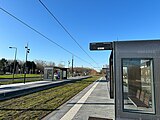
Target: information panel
[[101, 46]]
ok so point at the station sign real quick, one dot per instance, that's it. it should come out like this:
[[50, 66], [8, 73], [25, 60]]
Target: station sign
[[101, 46]]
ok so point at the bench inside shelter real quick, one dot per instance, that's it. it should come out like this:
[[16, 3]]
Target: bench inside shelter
[[141, 99]]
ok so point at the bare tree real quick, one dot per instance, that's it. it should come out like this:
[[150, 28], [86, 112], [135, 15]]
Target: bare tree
[[60, 65], [50, 63]]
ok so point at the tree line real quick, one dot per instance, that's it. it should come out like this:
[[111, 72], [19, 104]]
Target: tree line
[[33, 67], [82, 71], [37, 67]]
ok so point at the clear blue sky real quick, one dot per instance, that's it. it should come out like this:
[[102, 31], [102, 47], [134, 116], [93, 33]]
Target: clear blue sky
[[87, 20]]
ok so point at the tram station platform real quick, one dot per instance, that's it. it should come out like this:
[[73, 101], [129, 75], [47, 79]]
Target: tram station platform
[[19, 89], [93, 103]]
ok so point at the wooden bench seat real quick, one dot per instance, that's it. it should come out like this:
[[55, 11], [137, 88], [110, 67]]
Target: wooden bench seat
[[137, 102], [140, 100]]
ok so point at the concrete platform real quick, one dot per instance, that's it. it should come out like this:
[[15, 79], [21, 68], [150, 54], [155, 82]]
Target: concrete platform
[[18, 89], [91, 103]]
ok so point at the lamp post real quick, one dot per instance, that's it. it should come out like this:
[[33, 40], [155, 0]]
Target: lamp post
[[14, 60], [27, 51], [72, 64]]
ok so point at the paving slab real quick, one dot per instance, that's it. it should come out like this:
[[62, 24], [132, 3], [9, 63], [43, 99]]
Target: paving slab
[[91, 103]]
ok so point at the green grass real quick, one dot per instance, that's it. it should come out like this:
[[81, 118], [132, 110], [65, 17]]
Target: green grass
[[37, 105], [19, 76], [35, 77]]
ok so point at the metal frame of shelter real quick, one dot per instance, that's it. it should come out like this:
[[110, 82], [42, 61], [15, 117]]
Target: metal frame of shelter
[[134, 78]]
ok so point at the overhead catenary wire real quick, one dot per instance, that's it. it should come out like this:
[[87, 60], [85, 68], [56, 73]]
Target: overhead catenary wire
[[41, 34], [65, 29]]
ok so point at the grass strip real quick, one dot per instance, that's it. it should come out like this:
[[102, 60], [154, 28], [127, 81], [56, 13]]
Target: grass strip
[[18, 76], [37, 105]]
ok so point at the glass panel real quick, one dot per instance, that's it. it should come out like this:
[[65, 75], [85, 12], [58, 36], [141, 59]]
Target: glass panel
[[49, 74], [64, 74], [138, 92]]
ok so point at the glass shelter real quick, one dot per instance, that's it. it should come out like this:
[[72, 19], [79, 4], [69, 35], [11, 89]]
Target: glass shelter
[[135, 79], [54, 73]]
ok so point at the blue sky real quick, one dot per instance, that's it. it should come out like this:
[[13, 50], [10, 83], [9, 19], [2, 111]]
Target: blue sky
[[87, 20]]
